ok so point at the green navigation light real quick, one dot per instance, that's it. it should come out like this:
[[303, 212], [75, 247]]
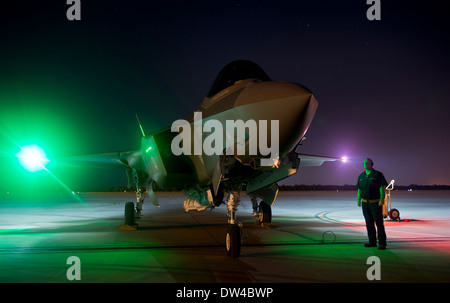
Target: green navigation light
[[32, 158]]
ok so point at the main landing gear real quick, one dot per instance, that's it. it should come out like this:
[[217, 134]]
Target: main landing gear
[[129, 214], [263, 211], [133, 214]]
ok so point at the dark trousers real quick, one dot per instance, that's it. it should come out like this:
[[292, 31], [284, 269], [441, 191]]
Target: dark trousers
[[374, 216]]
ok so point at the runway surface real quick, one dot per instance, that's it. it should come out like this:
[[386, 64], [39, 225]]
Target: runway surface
[[319, 239]]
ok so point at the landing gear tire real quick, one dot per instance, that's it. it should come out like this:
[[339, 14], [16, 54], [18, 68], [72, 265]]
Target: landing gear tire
[[394, 214], [129, 213], [233, 241], [265, 213]]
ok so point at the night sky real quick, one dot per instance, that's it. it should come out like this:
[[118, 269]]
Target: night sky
[[73, 87]]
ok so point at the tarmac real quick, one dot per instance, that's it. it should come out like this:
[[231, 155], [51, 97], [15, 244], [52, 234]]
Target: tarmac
[[319, 238]]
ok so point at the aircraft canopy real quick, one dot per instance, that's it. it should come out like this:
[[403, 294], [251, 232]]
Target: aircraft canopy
[[234, 72]]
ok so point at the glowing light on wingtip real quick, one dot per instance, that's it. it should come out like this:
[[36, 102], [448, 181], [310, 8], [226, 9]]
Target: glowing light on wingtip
[[32, 157], [344, 159]]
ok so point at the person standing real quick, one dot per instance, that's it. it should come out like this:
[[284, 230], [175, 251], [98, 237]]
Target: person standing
[[371, 184]]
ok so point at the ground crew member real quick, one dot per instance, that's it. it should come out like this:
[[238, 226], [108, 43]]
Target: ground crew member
[[371, 184]]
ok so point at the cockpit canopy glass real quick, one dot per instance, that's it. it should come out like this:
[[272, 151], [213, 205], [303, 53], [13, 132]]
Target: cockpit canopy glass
[[234, 72]]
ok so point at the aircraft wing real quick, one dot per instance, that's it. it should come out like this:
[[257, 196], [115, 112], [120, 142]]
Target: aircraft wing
[[313, 160]]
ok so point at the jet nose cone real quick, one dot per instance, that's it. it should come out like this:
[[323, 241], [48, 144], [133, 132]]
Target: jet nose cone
[[289, 103]]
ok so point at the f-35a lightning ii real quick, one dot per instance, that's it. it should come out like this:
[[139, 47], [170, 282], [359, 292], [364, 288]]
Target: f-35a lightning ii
[[247, 110]]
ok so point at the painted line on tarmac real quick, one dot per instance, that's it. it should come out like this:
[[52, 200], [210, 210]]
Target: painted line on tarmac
[[323, 217]]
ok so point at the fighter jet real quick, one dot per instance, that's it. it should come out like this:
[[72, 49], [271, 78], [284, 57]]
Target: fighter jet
[[213, 167]]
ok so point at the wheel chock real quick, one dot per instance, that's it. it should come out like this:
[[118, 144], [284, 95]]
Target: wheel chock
[[266, 225], [128, 227]]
